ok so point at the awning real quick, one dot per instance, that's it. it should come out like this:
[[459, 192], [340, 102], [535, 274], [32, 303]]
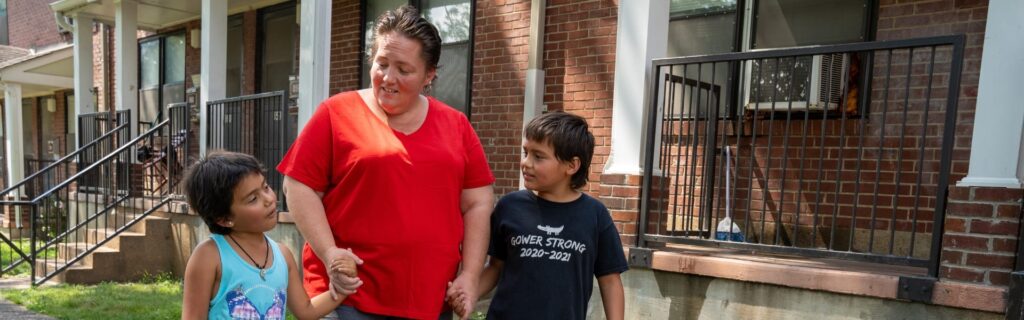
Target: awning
[[152, 14], [40, 72]]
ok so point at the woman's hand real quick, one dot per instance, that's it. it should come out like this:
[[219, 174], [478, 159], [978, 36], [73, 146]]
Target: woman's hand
[[465, 286]]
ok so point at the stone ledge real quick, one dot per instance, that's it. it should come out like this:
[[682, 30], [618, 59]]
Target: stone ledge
[[824, 275]]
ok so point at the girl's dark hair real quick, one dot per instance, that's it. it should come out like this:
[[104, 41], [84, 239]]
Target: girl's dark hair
[[210, 185], [406, 21], [569, 135]]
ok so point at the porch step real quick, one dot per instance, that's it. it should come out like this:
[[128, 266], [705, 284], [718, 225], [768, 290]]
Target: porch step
[[140, 250]]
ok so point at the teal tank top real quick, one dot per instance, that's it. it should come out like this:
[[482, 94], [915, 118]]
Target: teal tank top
[[242, 293]]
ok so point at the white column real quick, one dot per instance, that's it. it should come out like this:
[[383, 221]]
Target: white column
[[213, 57], [126, 69], [15, 137], [533, 98], [996, 145], [314, 57], [642, 35], [83, 72]]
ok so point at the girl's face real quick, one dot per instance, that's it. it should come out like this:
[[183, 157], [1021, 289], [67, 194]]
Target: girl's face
[[253, 205], [398, 73]]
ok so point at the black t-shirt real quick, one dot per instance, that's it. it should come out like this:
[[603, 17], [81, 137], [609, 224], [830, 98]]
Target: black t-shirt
[[552, 252]]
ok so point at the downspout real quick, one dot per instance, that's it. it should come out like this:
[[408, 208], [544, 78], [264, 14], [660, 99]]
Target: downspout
[[533, 102], [62, 8]]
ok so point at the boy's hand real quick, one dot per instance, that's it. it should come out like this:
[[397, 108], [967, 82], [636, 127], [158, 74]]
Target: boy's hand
[[457, 300]]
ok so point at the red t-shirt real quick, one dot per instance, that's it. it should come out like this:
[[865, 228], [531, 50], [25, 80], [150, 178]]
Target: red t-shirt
[[393, 198]]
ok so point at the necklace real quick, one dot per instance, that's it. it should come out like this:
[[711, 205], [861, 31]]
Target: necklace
[[263, 268]]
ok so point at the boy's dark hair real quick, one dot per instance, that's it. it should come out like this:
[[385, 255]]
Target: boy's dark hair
[[407, 21], [569, 135], [210, 185]]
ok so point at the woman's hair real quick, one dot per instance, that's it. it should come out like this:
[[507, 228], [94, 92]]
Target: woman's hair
[[406, 21], [569, 136], [210, 185]]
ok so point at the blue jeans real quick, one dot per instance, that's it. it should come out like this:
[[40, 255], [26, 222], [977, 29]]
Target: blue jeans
[[350, 313]]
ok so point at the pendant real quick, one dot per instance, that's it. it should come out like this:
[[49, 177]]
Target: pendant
[[263, 274]]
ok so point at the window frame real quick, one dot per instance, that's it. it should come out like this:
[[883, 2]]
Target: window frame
[[161, 39], [364, 60], [261, 41]]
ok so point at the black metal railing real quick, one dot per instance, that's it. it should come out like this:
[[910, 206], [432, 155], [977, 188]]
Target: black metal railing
[[256, 125], [839, 151], [92, 126], [65, 223]]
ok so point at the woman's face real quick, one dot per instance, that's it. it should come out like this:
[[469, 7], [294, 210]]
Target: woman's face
[[398, 73]]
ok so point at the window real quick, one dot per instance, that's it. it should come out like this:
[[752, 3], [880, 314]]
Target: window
[[454, 21], [277, 52], [4, 33], [161, 76], [236, 55], [700, 27]]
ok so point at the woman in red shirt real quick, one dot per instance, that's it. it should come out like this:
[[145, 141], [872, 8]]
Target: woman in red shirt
[[397, 177]]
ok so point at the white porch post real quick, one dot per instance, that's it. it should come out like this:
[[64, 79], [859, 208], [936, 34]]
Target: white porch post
[[127, 56], [314, 57], [83, 72], [15, 137], [213, 58], [997, 149], [642, 35]]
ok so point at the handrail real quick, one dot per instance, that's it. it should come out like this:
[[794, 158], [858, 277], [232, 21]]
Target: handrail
[[100, 161], [248, 97], [61, 160]]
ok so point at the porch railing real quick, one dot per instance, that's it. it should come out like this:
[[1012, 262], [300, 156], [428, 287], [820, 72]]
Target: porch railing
[[839, 151], [65, 223], [256, 125], [92, 126]]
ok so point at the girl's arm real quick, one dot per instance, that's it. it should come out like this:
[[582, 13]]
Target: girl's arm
[[202, 273], [612, 296], [298, 301]]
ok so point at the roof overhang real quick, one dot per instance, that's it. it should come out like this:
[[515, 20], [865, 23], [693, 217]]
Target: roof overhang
[[41, 73], [152, 14]]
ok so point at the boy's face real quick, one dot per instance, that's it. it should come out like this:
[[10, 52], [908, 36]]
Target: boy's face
[[542, 171], [253, 205]]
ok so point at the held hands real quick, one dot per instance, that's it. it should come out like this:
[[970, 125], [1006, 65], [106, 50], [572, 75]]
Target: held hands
[[342, 271], [462, 295]]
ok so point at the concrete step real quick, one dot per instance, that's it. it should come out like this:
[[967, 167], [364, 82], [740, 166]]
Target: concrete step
[[68, 251], [139, 250]]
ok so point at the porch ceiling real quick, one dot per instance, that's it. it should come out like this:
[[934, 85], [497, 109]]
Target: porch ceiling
[[41, 73], [153, 14]]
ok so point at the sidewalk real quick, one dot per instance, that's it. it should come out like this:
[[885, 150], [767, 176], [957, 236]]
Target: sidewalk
[[9, 310]]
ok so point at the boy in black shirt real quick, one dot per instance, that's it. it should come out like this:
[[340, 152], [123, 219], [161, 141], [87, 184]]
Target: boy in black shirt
[[550, 241]]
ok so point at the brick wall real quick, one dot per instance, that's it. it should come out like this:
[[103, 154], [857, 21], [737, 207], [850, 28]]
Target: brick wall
[[980, 241], [499, 63], [345, 38], [31, 24]]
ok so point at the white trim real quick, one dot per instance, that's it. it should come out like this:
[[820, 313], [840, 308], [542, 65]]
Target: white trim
[[642, 36], [14, 125], [83, 81], [126, 46], [314, 57], [996, 143], [213, 58]]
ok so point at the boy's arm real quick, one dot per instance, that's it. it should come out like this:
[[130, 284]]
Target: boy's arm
[[612, 296], [489, 277], [298, 301], [201, 272]]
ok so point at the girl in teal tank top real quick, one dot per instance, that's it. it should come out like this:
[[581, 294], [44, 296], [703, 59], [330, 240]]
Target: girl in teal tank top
[[240, 273]]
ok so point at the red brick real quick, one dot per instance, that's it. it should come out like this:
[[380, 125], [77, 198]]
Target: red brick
[[989, 261], [956, 225], [969, 209], [959, 193], [998, 195], [1007, 228], [1008, 211], [961, 274], [952, 257], [999, 278], [624, 216], [965, 242], [1004, 245]]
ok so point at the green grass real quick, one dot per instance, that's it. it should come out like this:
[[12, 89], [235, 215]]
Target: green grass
[[156, 297], [7, 255]]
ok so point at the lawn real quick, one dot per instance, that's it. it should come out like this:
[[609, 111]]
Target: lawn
[[7, 255], [155, 298]]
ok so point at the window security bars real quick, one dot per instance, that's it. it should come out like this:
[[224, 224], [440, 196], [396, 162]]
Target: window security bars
[[856, 166]]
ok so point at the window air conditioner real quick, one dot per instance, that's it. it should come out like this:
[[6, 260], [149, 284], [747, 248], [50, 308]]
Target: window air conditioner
[[827, 83]]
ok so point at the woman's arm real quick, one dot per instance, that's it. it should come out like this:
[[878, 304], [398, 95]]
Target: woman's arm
[[201, 274], [612, 296], [298, 302], [307, 209], [476, 204]]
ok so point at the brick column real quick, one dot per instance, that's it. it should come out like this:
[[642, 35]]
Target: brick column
[[980, 238]]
